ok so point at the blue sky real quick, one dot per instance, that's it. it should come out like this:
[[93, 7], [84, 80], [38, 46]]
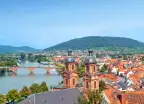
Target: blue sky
[[43, 23]]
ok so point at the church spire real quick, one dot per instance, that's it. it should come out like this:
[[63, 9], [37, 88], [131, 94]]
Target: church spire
[[90, 52], [69, 52]]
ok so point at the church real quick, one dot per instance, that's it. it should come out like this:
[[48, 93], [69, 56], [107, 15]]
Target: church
[[72, 87], [90, 79]]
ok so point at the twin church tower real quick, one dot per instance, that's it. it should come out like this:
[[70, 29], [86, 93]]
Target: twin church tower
[[90, 78]]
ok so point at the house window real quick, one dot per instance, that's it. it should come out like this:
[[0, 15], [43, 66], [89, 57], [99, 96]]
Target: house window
[[94, 84], [66, 81], [87, 85], [73, 81]]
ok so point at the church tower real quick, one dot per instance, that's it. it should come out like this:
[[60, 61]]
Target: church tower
[[90, 78], [70, 76]]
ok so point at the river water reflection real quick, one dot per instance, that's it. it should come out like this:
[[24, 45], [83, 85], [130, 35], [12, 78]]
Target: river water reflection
[[22, 79]]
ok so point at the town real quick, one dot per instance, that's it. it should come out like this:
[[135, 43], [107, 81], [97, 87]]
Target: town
[[71, 52], [106, 79]]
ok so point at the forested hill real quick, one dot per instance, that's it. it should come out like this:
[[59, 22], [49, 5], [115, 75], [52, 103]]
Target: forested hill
[[10, 49], [96, 41]]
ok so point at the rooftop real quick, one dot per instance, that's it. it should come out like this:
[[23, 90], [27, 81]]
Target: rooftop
[[66, 96]]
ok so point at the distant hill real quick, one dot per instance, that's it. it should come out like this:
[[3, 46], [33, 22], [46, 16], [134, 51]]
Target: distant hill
[[96, 41], [10, 49]]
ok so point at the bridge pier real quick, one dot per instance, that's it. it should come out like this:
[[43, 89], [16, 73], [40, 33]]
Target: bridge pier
[[14, 71], [6, 72], [14, 74], [31, 73]]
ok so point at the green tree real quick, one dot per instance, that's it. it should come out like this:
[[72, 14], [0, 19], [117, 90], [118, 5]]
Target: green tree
[[94, 97], [81, 70], [102, 85], [142, 58], [103, 69], [125, 58], [61, 68], [31, 57], [82, 100], [44, 87], [35, 88], [22, 56], [25, 92], [13, 96], [38, 60], [2, 99]]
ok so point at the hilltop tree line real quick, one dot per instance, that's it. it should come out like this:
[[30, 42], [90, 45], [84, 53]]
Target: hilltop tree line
[[15, 96], [108, 43]]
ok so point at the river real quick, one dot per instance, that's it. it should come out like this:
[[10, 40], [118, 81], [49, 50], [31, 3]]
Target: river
[[22, 79]]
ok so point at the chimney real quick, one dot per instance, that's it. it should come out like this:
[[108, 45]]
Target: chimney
[[123, 98]]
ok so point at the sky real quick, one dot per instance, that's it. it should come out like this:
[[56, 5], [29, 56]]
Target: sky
[[44, 23]]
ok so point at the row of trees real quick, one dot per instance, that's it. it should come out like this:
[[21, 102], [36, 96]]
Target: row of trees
[[30, 57], [15, 96], [7, 61], [41, 58], [95, 96]]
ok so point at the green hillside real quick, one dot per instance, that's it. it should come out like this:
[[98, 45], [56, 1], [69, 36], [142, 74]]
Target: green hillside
[[10, 49], [98, 42]]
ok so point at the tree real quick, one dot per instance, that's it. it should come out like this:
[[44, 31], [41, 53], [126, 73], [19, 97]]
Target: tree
[[25, 92], [35, 88], [102, 85], [61, 69], [13, 95], [81, 70], [22, 56], [103, 69], [142, 58], [44, 87], [29, 55], [125, 58], [2, 99], [82, 100], [94, 97], [31, 58]]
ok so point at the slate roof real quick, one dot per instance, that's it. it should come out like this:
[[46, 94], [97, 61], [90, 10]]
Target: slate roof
[[70, 60], [122, 83], [90, 60], [66, 96]]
